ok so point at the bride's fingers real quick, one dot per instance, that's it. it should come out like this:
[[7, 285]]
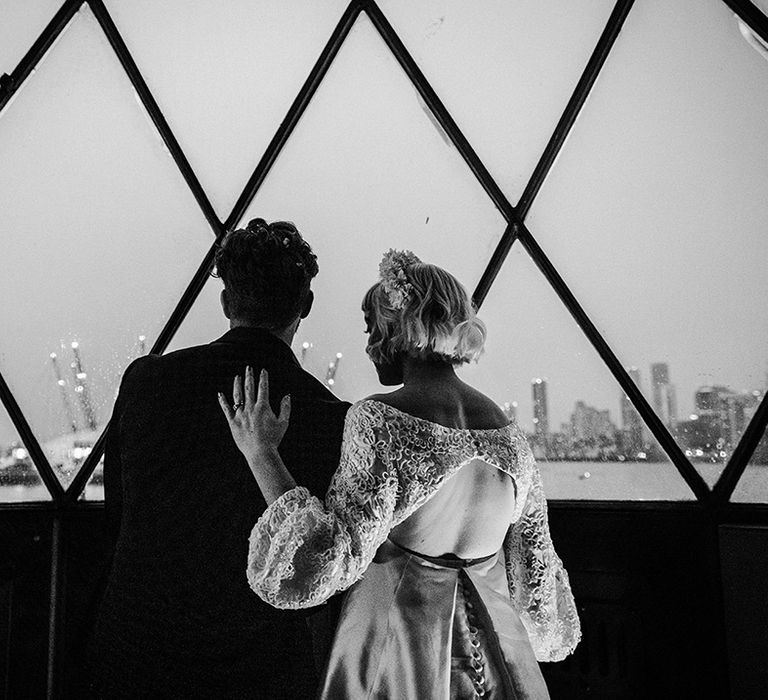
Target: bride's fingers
[[285, 409], [237, 390], [228, 412], [250, 387], [263, 397]]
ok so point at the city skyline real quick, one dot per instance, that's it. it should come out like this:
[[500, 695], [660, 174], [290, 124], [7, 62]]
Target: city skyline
[[715, 405]]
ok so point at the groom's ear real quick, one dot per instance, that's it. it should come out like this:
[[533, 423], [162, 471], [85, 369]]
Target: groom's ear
[[308, 300], [224, 299]]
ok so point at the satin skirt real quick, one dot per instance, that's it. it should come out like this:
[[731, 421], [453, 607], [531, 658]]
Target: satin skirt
[[429, 628]]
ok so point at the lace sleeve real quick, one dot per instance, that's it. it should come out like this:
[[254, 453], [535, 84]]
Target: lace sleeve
[[538, 583], [302, 550]]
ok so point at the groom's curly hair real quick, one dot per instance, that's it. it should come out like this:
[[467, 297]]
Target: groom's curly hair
[[267, 270]]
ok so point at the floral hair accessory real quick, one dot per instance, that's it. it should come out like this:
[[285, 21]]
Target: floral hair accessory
[[394, 280]]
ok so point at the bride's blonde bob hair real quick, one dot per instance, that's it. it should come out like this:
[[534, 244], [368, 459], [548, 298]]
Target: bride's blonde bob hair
[[433, 320]]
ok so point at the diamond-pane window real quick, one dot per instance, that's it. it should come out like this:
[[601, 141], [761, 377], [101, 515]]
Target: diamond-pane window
[[225, 74], [653, 213], [94, 489], [19, 479], [539, 367], [753, 485], [367, 169], [504, 69], [655, 216], [100, 238]]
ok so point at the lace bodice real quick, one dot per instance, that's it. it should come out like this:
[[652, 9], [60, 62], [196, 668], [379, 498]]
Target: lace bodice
[[302, 550]]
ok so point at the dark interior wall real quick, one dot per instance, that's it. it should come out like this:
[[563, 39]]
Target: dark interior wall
[[647, 581], [744, 552], [25, 577]]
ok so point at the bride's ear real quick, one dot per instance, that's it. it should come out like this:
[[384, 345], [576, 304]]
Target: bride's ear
[[308, 300]]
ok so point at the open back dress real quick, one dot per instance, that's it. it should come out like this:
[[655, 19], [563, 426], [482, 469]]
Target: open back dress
[[415, 625]]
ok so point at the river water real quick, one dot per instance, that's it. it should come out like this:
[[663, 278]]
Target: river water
[[631, 481]]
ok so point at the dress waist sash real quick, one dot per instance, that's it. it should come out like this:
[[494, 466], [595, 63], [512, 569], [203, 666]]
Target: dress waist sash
[[450, 561]]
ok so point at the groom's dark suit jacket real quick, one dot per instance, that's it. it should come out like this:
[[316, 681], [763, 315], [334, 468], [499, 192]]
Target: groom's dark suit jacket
[[177, 617]]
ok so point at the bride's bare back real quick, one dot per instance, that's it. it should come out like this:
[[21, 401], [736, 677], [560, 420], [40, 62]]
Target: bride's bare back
[[469, 515]]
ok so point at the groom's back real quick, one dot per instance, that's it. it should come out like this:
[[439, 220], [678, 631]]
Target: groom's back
[[178, 616]]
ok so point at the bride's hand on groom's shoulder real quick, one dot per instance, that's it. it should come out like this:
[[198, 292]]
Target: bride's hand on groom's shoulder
[[255, 427]]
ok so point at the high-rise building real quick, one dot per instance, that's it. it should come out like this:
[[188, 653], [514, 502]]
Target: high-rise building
[[727, 411], [591, 425], [664, 396], [540, 410], [632, 428]]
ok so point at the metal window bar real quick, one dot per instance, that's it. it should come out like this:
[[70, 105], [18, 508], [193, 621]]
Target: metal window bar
[[9, 84], [739, 460], [751, 16], [295, 112], [132, 71], [30, 442], [563, 128]]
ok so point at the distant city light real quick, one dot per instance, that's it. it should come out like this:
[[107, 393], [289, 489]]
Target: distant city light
[[536, 380], [20, 453], [77, 453], [75, 345], [79, 388], [339, 355], [305, 345], [142, 338], [641, 455], [81, 375], [61, 382], [52, 355], [331, 382], [693, 416]]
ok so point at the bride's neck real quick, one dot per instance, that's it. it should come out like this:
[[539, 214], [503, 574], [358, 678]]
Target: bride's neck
[[418, 372]]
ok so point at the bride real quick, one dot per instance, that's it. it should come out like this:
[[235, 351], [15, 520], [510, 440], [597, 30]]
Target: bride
[[435, 522]]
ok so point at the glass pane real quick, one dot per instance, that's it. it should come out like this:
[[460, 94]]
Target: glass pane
[[541, 369], [367, 170], [102, 238], [753, 485], [655, 214], [19, 479], [225, 74], [204, 322], [505, 72], [21, 22], [94, 489]]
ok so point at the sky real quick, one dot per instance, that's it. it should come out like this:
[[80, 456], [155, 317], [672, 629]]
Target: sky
[[654, 212]]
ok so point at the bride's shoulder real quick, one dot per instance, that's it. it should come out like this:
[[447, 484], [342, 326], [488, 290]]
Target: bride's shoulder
[[367, 408], [481, 410]]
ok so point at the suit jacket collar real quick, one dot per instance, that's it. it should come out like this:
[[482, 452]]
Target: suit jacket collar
[[259, 338]]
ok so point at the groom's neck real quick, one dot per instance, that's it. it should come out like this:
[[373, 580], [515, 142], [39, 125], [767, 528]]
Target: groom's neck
[[285, 334]]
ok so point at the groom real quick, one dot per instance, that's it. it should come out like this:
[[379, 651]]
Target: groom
[[177, 618]]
